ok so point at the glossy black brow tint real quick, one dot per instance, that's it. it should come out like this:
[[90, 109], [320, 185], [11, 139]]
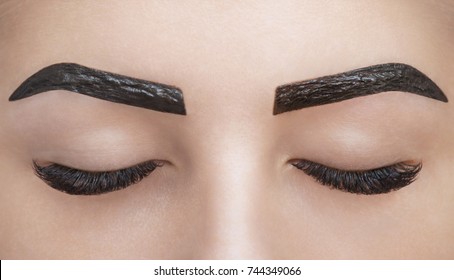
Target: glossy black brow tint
[[103, 85], [356, 83]]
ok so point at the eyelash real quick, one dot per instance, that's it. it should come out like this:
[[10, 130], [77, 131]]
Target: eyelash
[[79, 182], [375, 181]]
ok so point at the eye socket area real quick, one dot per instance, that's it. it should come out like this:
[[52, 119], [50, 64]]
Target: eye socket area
[[366, 182], [80, 182]]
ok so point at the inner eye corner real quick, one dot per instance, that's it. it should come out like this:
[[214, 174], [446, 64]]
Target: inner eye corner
[[41, 163], [161, 163], [413, 165], [293, 161], [412, 162]]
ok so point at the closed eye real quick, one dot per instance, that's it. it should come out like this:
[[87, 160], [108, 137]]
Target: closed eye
[[374, 181], [78, 182]]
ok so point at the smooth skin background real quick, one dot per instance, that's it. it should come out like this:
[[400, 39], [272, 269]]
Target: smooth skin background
[[229, 191]]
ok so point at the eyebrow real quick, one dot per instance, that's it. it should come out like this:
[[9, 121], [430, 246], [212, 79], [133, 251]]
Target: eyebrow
[[103, 85], [356, 83]]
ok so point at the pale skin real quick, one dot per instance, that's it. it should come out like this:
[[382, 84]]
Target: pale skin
[[228, 190]]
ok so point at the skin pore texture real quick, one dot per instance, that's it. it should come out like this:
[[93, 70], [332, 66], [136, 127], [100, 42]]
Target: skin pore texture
[[228, 188]]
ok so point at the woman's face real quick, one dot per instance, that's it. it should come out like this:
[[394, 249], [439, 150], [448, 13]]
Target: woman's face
[[227, 186]]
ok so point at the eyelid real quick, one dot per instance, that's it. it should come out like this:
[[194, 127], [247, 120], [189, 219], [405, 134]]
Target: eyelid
[[373, 181], [80, 182]]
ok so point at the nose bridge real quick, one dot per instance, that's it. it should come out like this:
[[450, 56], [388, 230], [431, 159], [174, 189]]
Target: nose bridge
[[230, 223], [231, 173]]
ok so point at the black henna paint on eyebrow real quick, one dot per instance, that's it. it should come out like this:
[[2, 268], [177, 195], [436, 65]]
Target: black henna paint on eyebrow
[[103, 85], [355, 83]]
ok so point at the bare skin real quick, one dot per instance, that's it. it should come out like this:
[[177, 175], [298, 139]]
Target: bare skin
[[228, 190]]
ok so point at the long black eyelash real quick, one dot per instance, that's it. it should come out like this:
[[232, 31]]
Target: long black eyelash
[[375, 181], [78, 182]]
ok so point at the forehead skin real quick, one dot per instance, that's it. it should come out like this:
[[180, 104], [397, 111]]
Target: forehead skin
[[228, 57]]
